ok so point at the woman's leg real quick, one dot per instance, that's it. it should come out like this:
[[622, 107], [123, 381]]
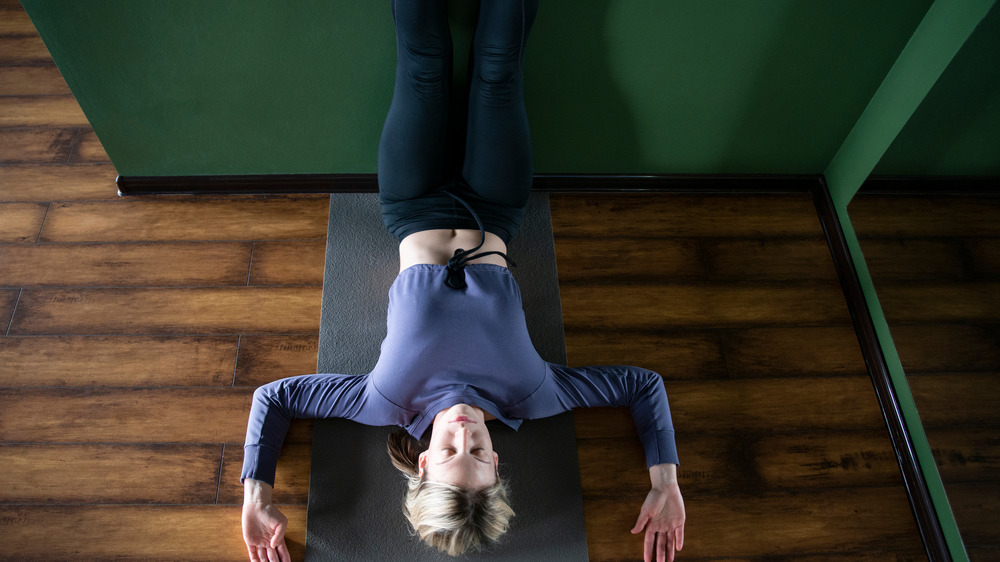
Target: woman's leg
[[412, 151], [498, 144]]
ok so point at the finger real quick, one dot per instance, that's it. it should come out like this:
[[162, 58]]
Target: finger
[[272, 555], [647, 546], [662, 540], [278, 537], [261, 554], [253, 553], [680, 537], [283, 552], [640, 523]]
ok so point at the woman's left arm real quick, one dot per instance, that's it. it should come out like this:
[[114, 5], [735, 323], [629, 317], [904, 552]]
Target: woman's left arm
[[662, 515]]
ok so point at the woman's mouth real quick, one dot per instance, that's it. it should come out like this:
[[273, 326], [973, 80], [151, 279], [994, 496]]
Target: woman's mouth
[[463, 419]]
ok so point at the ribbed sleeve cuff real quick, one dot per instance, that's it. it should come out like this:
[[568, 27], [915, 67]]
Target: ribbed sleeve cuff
[[663, 449], [258, 464]]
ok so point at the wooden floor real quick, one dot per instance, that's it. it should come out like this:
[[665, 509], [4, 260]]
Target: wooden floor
[[137, 328], [936, 266]]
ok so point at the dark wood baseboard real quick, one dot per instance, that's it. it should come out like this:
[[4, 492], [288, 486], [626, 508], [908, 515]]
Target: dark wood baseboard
[[553, 183], [931, 185], [906, 455]]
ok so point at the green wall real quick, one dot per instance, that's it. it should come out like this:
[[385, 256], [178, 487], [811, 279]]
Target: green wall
[[226, 86], [956, 129], [255, 86]]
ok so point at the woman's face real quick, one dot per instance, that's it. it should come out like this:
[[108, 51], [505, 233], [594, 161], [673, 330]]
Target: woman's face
[[461, 451]]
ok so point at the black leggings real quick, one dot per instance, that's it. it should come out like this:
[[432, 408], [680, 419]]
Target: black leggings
[[414, 175]]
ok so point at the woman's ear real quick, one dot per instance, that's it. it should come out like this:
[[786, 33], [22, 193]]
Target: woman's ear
[[421, 464], [496, 461]]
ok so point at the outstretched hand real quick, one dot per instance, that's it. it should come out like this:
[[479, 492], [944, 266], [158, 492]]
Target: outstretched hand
[[662, 516], [264, 532]]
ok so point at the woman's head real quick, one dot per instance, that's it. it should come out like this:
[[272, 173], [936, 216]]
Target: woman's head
[[455, 500], [460, 451]]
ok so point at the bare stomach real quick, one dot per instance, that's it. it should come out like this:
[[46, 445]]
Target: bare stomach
[[438, 246]]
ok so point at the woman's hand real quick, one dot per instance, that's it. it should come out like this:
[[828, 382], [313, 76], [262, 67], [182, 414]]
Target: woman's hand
[[263, 525], [662, 515]]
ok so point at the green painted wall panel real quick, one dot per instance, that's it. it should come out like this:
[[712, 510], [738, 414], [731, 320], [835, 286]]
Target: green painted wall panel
[[707, 87], [256, 86], [956, 129], [226, 87]]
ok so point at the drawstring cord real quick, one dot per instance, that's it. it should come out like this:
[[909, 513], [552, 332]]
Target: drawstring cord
[[456, 264]]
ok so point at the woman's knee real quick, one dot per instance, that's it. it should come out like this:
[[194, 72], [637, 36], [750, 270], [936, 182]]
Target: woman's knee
[[497, 72], [426, 66]]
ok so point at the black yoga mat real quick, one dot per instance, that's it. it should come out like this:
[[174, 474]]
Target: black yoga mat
[[355, 495]]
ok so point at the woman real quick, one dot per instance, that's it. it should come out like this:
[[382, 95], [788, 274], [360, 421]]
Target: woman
[[457, 351]]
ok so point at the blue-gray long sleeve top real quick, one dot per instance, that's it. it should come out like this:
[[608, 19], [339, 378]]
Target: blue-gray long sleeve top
[[445, 347]]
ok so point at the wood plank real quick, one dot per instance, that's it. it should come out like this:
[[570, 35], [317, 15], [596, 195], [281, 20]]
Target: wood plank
[[288, 263], [88, 149], [625, 307], [825, 460], [768, 259], [32, 81], [768, 524], [977, 511], [788, 352], [966, 399], [8, 301], [136, 532], [671, 215], [130, 415], [686, 354], [117, 361], [35, 145], [947, 348], [291, 480], [966, 454], [985, 257], [932, 303], [44, 111], [889, 216], [746, 460], [34, 182], [168, 311], [24, 50], [611, 259], [751, 405], [170, 220], [134, 265], [125, 415], [171, 474], [16, 22], [263, 359], [21, 221], [907, 259]]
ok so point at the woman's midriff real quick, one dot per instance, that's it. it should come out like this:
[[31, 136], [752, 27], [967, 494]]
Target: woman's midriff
[[438, 246]]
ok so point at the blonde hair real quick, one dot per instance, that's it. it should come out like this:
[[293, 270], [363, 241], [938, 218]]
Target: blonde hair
[[449, 518]]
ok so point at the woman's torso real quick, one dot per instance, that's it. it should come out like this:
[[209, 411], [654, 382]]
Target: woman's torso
[[444, 342]]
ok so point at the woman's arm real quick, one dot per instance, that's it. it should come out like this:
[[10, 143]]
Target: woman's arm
[[640, 390], [276, 404], [263, 525]]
